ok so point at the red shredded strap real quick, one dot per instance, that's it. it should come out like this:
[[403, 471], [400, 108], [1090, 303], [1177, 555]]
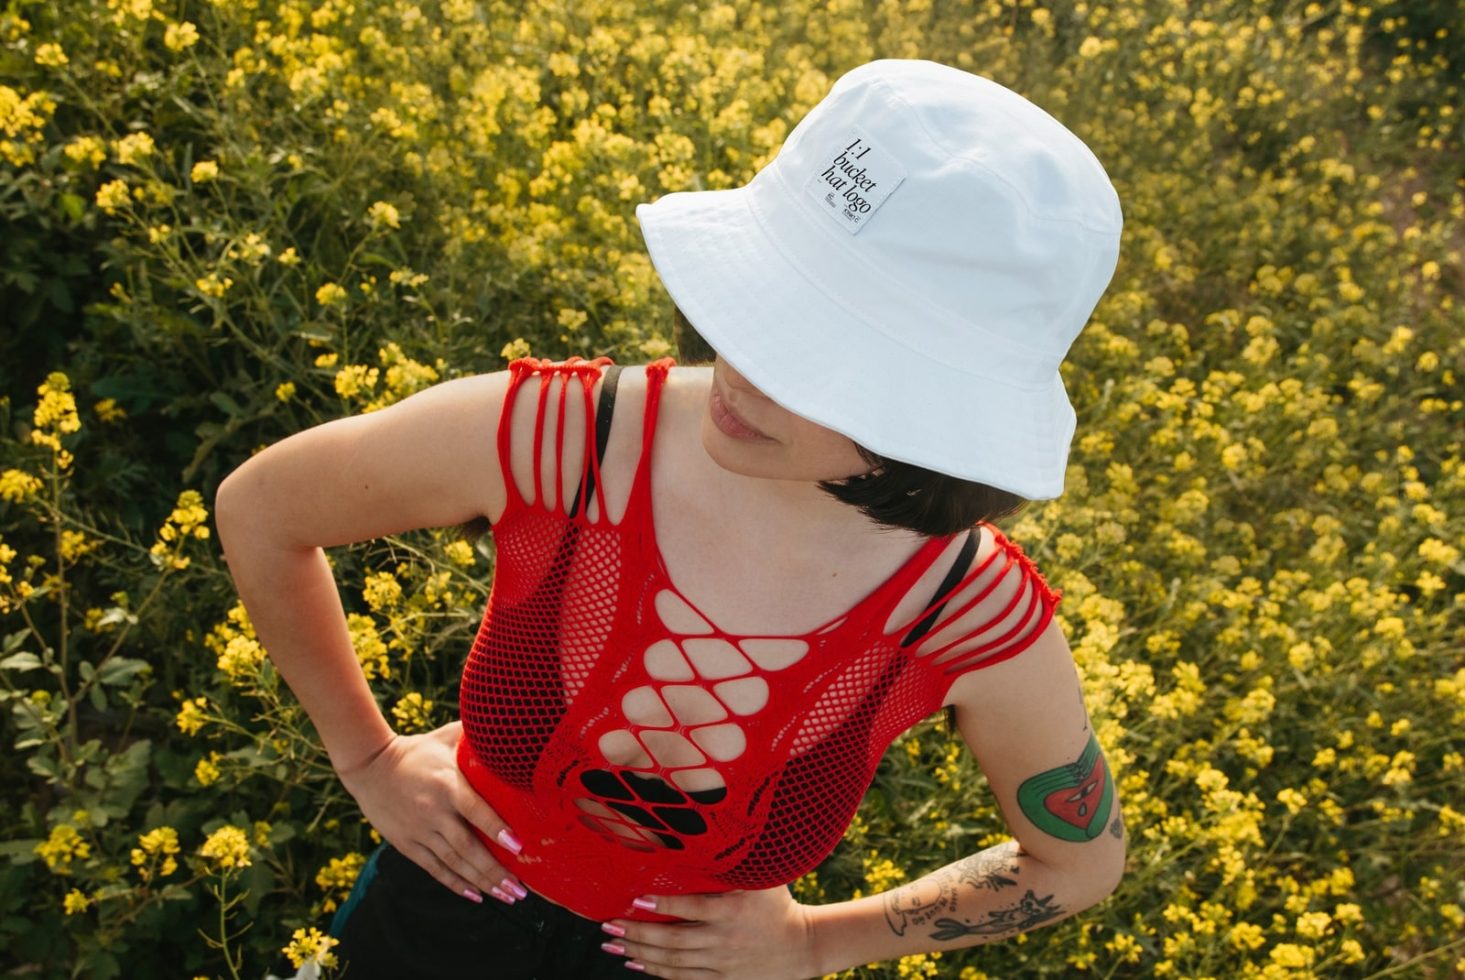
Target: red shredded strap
[[576, 368], [1032, 588]]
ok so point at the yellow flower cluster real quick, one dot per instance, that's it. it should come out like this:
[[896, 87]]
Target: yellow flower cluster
[[188, 521], [23, 119], [156, 853], [238, 650], [64, 845], [413, 712], [226, 849], [311, 947], [55, 416], [337, 878]]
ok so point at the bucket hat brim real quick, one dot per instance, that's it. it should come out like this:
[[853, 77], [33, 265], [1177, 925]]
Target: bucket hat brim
[[817, 356]]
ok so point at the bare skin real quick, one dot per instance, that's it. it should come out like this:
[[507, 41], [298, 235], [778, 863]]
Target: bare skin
[[752, 540]]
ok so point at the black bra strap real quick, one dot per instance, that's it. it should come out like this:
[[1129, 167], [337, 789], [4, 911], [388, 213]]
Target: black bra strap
[[604, 410], [954, 575]]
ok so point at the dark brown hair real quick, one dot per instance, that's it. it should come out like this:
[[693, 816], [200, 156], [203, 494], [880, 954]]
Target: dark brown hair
[[893, 494]]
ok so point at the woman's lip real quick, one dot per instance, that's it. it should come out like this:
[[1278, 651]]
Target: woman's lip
[[728, 422]]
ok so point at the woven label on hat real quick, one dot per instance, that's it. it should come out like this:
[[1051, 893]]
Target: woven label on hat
[[853, 179]]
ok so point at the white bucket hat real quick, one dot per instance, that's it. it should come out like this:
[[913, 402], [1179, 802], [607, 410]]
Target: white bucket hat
[[908, 271]]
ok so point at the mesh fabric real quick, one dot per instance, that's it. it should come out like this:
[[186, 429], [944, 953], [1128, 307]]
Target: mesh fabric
[[636, 748]]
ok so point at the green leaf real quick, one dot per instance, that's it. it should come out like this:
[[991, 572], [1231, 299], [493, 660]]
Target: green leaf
[[21, 662], [86, 670], [98, 698], [116, 615], [72, 206], [43, 766], [227, 405], [14, 640], [121, 670], [20, 851]]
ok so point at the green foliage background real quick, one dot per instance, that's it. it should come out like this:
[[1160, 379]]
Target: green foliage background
[[226, 222]]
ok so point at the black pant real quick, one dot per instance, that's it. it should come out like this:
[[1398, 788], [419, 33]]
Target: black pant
[[401, 924]]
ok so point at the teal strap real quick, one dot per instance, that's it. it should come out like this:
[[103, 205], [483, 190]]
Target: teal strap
[[363, 881]]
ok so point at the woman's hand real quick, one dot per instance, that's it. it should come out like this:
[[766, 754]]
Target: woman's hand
[[744, 935], [417, 798]]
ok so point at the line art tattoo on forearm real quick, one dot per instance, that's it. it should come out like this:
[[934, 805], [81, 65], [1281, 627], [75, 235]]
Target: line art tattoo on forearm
[[1029, 911], [918, 904]]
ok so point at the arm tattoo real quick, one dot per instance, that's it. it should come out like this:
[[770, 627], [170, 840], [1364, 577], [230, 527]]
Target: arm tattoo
[[918, 903], [1071, 802], [1029, 911]]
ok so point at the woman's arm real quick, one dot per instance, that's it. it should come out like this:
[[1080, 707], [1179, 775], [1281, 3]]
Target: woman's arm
[[1025, 722], [428, 461]]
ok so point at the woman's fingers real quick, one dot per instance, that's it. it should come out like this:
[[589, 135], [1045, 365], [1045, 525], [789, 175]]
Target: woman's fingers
[[460, 849], [473, 809], [423, 856]]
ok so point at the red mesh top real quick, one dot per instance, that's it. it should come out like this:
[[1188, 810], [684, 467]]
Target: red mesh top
[[635, 747]]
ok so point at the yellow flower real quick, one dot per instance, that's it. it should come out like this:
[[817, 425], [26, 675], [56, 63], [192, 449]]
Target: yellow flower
[[289, 256], [75, 544], [460, 553], [330, 294], [1292, 956], [1313, 925], [327, 360], [109, 411], [338, 877], [51, 56], [207, 771], [352, 379], [285, 391], [18, 486], [371, 651], [191, 715], [240, 658], [160, 843], [515, 349], [179, 36], [204, 171], [1248, 936], [311, 947], [112, 196], [88, 151], [213, 286], [133, 148], [1090, 47], [1294, 801], [63, 846], [381, 591], [383, 215], [76, 902], [188, 521], [227, 849], [413, 712]]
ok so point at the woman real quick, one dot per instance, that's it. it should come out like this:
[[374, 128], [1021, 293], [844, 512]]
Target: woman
[[720, 593]]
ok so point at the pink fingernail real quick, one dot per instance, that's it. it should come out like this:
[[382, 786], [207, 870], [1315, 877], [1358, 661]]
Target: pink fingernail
[[502, 896], [614, 949], [510, 841], [645, 904], [473, 894], [514, 888], [613, 929], [633, 965]]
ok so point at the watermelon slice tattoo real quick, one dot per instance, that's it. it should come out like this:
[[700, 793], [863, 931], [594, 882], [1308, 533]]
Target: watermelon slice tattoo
[[1071, 802]]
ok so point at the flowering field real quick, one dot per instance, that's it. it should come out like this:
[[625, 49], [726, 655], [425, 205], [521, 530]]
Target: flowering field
[[226, 222]]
